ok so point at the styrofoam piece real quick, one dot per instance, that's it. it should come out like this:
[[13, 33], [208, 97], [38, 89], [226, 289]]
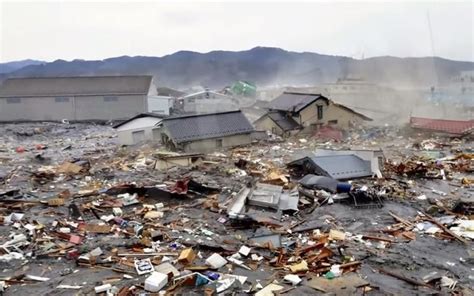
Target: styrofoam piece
[[156, 281], [216, 261]]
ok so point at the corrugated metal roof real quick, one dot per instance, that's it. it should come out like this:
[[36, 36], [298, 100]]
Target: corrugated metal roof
[[340, 167], [291, 101], [457, 127], [205, 126], [75, 86], [284, 122], [343, 166]]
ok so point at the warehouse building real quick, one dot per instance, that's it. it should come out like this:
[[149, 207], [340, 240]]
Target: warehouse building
[[81, 98]]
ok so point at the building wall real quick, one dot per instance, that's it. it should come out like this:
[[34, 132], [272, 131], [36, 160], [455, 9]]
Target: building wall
[[36, 109], [160, 104], [209, 145], [125, 137], [267, 124], [343, 117], [75, 108], [309, 115], [97, 108], [210, 106]]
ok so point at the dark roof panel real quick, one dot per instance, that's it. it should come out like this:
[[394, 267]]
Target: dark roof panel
[[290, 101], [206, 126], [75, 86], [284, 122]]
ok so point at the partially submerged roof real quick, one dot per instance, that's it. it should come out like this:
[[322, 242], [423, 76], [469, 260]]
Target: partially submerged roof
[[205, 126], [341, 167], [75, 86], [457, 127], [286, 123], [294, 101], [141, 115]]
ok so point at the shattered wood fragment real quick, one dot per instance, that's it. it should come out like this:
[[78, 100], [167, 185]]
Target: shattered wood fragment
[[446, 229], [95, 228]]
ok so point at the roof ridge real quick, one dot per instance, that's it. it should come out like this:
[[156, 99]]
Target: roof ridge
[[202, 114]]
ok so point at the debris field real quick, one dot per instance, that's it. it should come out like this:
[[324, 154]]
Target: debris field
[[80, 215]]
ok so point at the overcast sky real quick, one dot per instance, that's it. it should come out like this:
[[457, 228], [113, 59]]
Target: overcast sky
[[97, 30]]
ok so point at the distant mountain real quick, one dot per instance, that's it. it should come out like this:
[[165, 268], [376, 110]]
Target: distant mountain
[[262, 65], [13, 66]]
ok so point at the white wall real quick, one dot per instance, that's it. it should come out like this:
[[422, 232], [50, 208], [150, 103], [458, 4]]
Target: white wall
[[160, 104], [125, 137]]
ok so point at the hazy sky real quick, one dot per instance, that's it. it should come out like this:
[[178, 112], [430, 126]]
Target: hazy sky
[[96, 30]]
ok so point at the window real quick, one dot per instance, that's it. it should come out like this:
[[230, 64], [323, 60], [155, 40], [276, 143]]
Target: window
[[320, 112], [219, 143], [191, 100], [13, 100], [332, 122], [61, 99], [110, 99]]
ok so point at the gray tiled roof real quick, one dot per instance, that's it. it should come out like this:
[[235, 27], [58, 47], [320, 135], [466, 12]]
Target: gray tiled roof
[[205, 126], [289, 101], [284, 122], [79, 85]]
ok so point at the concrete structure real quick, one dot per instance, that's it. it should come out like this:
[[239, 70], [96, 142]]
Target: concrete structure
[[291, 111], [74, 98], [207, 101], [206, 132], [139, 129]]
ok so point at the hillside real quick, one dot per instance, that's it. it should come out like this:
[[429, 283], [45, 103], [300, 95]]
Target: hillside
[[262, 65]]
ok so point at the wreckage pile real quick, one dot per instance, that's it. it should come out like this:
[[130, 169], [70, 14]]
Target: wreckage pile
[[299, 216]]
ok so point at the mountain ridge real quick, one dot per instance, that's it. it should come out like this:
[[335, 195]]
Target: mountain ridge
[[264, 66]]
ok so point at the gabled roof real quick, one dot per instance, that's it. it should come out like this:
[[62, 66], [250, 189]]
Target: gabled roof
[[75, 86], [141, 115], [206, 126], [284, 122], [340, 167], [457, 127], [352, 111], [294, 101]]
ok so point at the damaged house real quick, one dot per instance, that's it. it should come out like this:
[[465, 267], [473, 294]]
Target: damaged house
[[79, 98], [138, 129], [294, 111], [206, 132]]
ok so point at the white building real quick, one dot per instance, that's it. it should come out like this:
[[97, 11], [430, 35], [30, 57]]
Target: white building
[[139, 129], [208, 101], [160, 104]]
